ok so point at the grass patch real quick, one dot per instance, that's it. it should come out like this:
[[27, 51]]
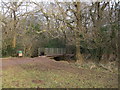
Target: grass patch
[[32, 76]]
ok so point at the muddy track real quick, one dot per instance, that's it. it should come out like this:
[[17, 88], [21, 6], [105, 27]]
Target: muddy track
[[43, 62]]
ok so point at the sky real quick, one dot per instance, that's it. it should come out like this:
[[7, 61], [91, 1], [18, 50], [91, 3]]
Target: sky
[[53, 1], [57, 0]]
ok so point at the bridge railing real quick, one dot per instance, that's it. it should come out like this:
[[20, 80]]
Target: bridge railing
[[53, 51]]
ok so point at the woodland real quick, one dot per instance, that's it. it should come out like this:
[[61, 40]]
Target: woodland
[[89, 29]]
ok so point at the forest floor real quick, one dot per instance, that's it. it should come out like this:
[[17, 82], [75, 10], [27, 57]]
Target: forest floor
[[42, 72]]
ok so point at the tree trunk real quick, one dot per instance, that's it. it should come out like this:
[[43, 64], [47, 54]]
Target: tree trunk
[[79, 57], [14, 41], [14, 30]]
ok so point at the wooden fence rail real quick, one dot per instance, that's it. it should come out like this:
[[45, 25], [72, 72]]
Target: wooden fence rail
[[53, 51]]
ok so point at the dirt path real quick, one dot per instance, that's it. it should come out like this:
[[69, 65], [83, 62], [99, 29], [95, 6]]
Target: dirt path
[[45, 63], [8, 62]]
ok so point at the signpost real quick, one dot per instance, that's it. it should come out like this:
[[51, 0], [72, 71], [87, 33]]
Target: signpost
[[20, 54]]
